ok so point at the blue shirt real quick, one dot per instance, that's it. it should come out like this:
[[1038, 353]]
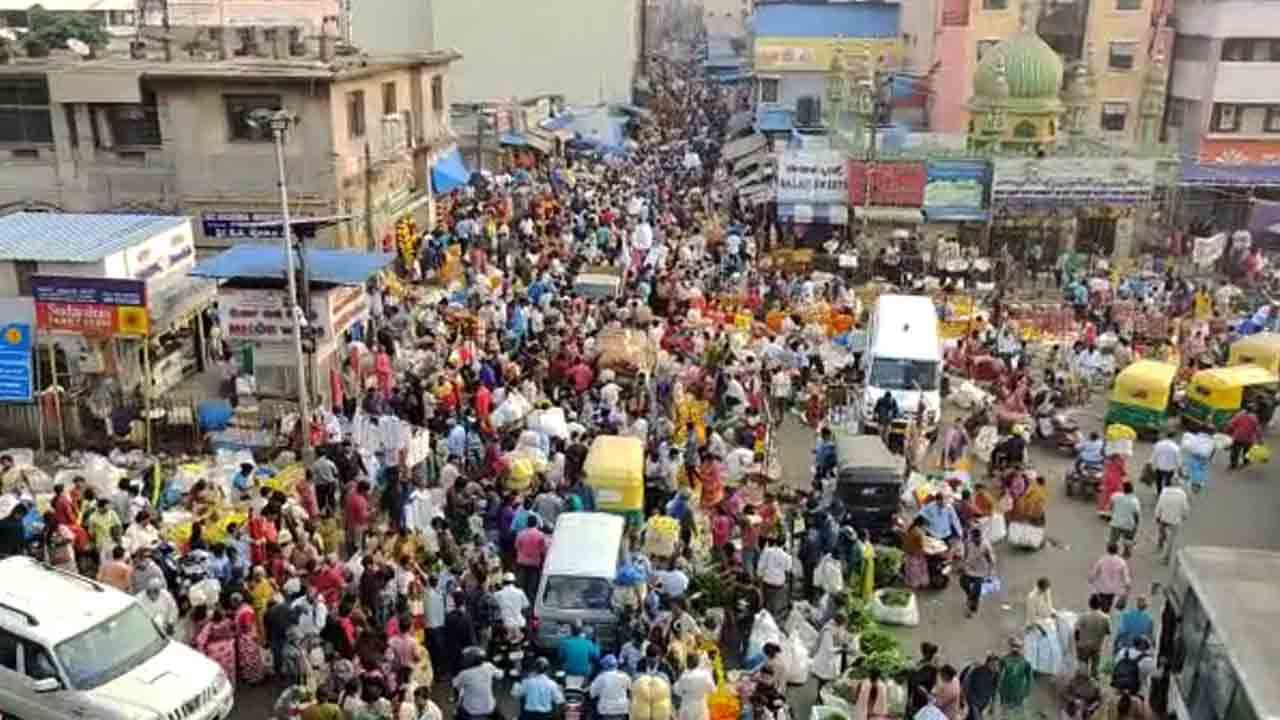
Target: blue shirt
[[243, 482], [541, 694], [1134, 623], [577, 655], [1091, 452], [457, 441], [941, 521]]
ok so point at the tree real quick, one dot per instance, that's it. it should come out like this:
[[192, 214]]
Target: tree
[[47, 30]]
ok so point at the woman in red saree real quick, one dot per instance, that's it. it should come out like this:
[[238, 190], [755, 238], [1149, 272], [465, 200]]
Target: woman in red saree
[[1113, 476], [262, 531], [248, 646], [217, 640]]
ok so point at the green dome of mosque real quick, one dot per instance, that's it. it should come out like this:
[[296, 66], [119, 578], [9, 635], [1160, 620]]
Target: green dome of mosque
[[1032, 70]]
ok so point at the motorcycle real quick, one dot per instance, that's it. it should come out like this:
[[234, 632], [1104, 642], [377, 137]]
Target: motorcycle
[[1083, 480], [1055, 426]]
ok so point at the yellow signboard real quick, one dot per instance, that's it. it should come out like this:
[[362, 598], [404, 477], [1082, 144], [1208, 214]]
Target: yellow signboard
[[789, 54]]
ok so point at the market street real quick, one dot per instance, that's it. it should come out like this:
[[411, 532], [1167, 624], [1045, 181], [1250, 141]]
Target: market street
[[1239, 510]]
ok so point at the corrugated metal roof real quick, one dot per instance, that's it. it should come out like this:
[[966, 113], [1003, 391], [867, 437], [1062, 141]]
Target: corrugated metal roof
[[59, 237], [854, 20], [334, 267]]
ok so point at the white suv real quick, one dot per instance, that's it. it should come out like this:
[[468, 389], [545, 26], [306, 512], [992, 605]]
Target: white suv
[[72, 648]]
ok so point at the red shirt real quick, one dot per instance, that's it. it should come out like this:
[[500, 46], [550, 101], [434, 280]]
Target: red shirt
[[357, 510], [330, 583], [1244, 428], [580, 375], [484, 402], [531, 547]]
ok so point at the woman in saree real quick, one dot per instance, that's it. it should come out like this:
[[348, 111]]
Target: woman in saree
[[1030, 508], [915, 564], [872, 695], [1114, 474], [261, 590], [59, 544], [248, 642], [217, 640], [948, 696]]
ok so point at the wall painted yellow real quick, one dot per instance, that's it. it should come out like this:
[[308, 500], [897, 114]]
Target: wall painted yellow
[[788, 54]]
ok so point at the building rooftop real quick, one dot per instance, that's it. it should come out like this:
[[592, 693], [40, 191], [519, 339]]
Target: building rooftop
[[339, 68], [74, 238]]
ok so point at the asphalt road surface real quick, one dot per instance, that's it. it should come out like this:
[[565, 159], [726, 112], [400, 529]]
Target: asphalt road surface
[[1238, 510]]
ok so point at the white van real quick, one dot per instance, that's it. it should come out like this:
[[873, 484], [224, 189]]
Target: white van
[[72, 648], [577, 578], [904, 356]]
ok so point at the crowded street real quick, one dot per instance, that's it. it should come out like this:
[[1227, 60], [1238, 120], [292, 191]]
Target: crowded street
[[654, 410]]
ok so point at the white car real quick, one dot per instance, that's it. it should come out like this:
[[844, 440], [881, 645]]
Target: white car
[[72, 648]]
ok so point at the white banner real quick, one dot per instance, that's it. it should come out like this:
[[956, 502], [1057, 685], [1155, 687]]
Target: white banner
[[1206, 250], [815, 177], [1121, 180]]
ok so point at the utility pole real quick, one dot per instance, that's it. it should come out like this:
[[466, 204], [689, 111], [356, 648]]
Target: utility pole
[[279, 121], [370, 243]]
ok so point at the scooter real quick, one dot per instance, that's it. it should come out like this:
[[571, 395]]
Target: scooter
[[1057, 427], [1083, 481]]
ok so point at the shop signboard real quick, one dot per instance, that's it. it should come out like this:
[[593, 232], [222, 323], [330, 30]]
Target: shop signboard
[[892, 184], [1049, 181], [954, 189], [240, 225], [101, 307], [814, 177], [17, 342], [254, 314], [801, 54]]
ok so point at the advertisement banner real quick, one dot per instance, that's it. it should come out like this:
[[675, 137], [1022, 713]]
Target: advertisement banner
[[897, 184], [815, 177], [103, 307], [1073, 180], [253, 314], [954, 189], [17, 341], [814, 54]]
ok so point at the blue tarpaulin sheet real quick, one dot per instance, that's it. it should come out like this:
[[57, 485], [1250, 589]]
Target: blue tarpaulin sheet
[[450, 173]]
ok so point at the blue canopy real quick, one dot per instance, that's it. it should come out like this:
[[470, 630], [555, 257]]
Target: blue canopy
[[267, 262], [450, 173]]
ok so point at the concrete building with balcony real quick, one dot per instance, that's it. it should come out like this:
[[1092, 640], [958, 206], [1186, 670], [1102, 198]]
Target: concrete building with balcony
[[1224, 108], [149, 136], [586, 51]]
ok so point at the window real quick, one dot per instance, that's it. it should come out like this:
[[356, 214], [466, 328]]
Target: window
[[437, 93], [563, 592], [1114, 116], [389, 98], [1236, 49], [134, 123], [985, 46], [1177, 112], [1121, 56], [769, 90], [36, 662], [1271, 123], [894, 374], [110, 649], [1226, 118], [355, 114], [1273, 50], [995, 4], [24, 112], [239, 112], [119, 17], [1251, 50], [1128, 4], [9, 651]]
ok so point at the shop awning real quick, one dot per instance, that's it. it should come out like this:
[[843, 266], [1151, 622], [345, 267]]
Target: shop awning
[[450, 173], [955, 214], [759, 157], [174, 302], [905, 216], [742, 147], [811, 214], [267, 262], [516, 139]]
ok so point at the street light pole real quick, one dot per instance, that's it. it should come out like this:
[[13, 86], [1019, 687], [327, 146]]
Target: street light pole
[[280, 121]]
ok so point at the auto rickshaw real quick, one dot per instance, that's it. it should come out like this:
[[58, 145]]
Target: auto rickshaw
[[1214, 396], [614, 469], [1261, 349], [869, 481], [1141, 396]]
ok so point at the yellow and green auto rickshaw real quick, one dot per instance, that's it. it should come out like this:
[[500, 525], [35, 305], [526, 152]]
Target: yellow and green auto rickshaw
[[1141, 395], [1261, 349], [1214, 396], [614, 469]]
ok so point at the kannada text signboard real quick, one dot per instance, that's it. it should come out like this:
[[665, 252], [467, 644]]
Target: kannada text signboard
[[815, 177], [1117, 181], [100, 307], [17, 340], [897, 184]]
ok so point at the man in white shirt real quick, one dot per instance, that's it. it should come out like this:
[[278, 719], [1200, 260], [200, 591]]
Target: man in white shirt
[[1166, 458], [671, 583], [512, 602], [610, 690], [1172, 509], [773, 569], [159, 604]]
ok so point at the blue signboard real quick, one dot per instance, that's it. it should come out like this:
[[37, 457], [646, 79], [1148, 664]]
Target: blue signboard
[[956, 191], [15, 362]]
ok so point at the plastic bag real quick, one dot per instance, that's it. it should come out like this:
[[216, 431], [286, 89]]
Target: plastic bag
[[994, 528], [1025, 535], [799, 664], [764, 629], [991, 586], [1258, 455], [905, 615], [829, 575], [798, 628], [1222, 441]]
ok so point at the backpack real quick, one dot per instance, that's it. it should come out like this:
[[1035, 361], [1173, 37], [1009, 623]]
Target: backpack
[[1126, 675]]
